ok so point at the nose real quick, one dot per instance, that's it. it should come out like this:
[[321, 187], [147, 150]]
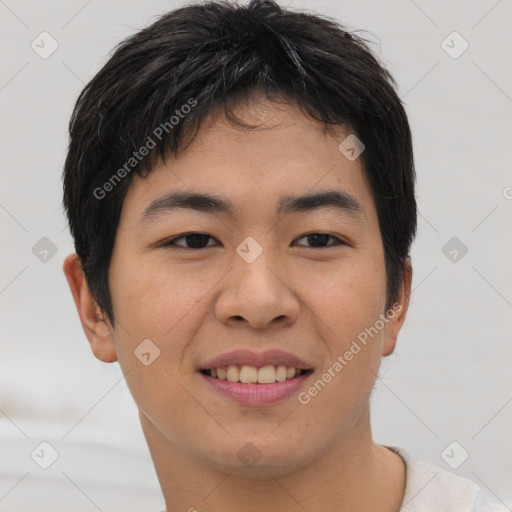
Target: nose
[[258, 294]]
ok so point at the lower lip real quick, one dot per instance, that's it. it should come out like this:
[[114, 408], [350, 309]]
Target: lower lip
[[257, 394]]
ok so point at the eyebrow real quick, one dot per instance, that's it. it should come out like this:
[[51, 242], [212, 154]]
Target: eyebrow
[[287, 204]]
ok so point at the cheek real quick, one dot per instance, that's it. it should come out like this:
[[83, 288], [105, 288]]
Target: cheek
[[165, 304], [156, 295], [347, 297], [348, 303], [153, 312], [347, 307]]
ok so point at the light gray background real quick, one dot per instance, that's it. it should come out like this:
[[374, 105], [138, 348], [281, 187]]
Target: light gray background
[[450, 377]]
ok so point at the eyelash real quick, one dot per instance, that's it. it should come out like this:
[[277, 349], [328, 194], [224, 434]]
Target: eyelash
[[172, 242]]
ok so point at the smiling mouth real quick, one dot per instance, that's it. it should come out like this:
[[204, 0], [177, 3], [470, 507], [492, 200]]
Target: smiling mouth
[[246, 374]]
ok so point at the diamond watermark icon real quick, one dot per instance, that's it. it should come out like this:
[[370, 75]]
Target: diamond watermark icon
[[454, 45], [249, 455], [44, 250], [44, 45], [351, 147], [454, 249], [249, 249], [146, 352], [454, 455], [44, 455]]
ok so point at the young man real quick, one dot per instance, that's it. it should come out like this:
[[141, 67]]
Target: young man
[[240, 189]]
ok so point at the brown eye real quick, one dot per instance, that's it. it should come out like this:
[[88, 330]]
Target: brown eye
[[320, 240], [192, 240]]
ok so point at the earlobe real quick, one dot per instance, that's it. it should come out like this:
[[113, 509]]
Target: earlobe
[[400, 312], [95, 326]]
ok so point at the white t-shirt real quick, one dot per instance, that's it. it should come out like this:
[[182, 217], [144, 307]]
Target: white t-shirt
[[432, 489]]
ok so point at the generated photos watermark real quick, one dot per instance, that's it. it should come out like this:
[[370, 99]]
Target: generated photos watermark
[[343, 360], [158, 133]]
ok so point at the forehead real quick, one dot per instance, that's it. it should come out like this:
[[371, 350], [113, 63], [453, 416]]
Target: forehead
[[286, 154]]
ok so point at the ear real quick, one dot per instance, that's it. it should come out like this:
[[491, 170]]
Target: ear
[[396, 316], [98, 332]]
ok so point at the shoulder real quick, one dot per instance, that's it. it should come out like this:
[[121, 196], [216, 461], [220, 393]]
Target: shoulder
[[429, 488]]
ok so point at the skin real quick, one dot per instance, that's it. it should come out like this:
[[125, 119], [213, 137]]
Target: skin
[[310, 301]]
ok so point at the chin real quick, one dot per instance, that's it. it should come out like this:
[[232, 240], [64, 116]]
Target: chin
[[258, 456]]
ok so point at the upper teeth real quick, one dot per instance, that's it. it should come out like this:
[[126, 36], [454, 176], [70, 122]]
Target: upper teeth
[[250, 374]]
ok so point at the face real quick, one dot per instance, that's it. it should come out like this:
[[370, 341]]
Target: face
[[254, 286]]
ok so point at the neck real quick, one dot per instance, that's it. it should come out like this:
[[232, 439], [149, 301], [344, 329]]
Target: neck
[[352, 474]]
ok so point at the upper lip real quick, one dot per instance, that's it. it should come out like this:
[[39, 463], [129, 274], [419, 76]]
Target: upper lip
[[258, 359]]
